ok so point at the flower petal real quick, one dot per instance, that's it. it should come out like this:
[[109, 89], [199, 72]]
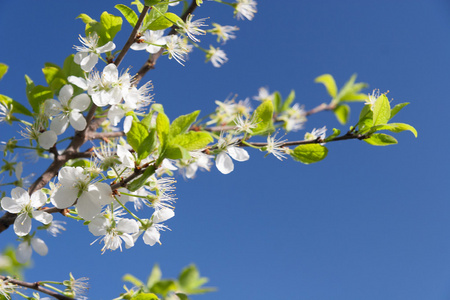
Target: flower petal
[[99, 225], [127, 226], [22, 224], [237, 153], [80, 102], [109, 46], [11, 205], [64, 197], [115, 114], [162, 215], [151, 236], [20, 196], [52, 107], [89, 62], [65, 94], [23, 253], [38, 199], [42, 216], [224, 163], [79, 82], [39, 246], [59, 124], [88, 205], [47, 139], [77, 120]]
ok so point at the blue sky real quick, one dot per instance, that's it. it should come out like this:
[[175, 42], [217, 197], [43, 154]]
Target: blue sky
[[365, 223]]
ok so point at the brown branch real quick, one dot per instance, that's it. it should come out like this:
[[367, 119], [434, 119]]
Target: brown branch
[[320, 108], [151, 62], [35, 286], [132, 37], [105, 135]]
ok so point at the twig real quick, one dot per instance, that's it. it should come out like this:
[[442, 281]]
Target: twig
[[35, 286]]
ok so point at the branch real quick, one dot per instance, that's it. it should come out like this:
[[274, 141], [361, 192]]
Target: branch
[[151, 62], [132, 37], [35, 286], [105, 135], [320, 108]]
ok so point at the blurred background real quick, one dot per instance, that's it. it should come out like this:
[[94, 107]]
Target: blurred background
[[365, 223]]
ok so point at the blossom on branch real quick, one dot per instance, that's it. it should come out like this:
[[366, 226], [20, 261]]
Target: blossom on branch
[[151, 41], [224, 33], [245, 9], [25, 249], [25, 207], [227, 147], [216, 56], [87, 56]]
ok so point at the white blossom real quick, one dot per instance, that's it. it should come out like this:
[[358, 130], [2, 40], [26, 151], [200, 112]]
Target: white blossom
[[275, 147], [316, 134], [192, 28], [372, 98], [294, 118], [24, 250], [224, 33], [87, 56], [6, 288], [151, 235], [245, 9], [25, 207], [151, 41], [216, 56], [176, 48], [263, 94], [227, 147], [67, 110]]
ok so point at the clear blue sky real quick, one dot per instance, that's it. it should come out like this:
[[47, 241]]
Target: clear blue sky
[[367, 223]]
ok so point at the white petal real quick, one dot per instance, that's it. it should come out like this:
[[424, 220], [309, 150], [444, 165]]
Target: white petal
[[128, 239], [77, 120], [104, 192], [101, 98], [47, 139], [38, 199], [65, 94], [151, 236], [115, 114], [23, 253], [79, 57], [125, 156], [19, 170], [42, 216], [52, 107], [78, 81], [59, 124], [69, 175], [162, 215], [88, 205], [99, 225], [138, 46], [127, 123], [20, 195], [89, 62], [80, 102], [127, 226], [110, 73], [109, 46], [39, 246], [64, 197], [237, 153], [22, 224], [11, 205], [224, 163]]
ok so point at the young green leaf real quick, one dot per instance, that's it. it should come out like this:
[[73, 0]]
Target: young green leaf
[[136, 135], [328, 81], [3, 70], [381, 111], [176, 152], [128, 13], [309, 153], [287, 103], [140, 181], [16, 106], [397, 127], [263, 117], [165, 21], [147, 145], [396, 109], [182, 124], [163, 287], [162, 128], [193, 140], [112, 25], [38, 95], [381, 139], [154, 277], [336, 132], [342, 113], [277, 102], [145, 296]]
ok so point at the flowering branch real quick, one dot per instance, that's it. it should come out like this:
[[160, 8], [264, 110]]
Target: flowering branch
[[35, 286]]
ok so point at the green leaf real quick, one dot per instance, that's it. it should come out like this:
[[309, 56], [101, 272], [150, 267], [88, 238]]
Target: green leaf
[[157, 107], [133, 280], [176, 152], [147, 120], [182, 124], [145, 296], [70, 68], [397, 127], [381, 111], [3, 70], [277, 102], [396, 109], [151, 2], [38, 95], [138, 183], [147, 145], [381, 139], [85, 18], [287, 103], [350, 91], [182, 296], [336, 132], [342, 112], [328, 81], [193, 140], [263, 117], [55, 77], [112, 25], [309, 153], [163, 287], [136, 135], [162, 128], [157, 11], [128, 13], [190, 281], [155, 276], [138, 4], [165, 21]]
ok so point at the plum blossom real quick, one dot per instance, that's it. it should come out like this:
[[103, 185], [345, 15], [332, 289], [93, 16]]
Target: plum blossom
[[176, 48], [25, 207], [151, 41], [275, 147], [151, 235], [24, 250], [67, 110], [372, 98], [192, 28], [113, 230], [87, 56], [224, 33], [245, 9], [6, 288], [76, 189], [316, 134], [198, 160], [227, 147], [216, 56], [106, 88]]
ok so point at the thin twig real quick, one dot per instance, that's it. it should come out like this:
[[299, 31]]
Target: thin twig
[[35, 286]]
